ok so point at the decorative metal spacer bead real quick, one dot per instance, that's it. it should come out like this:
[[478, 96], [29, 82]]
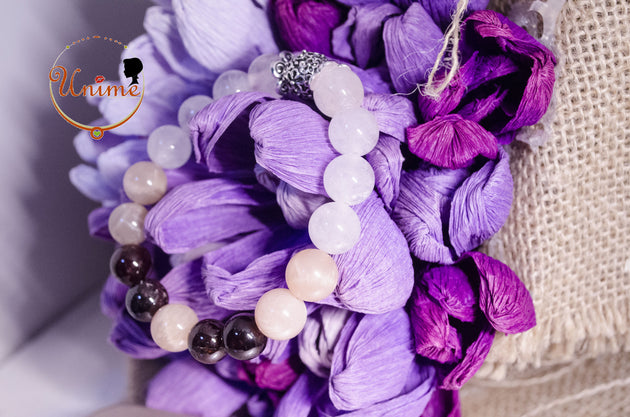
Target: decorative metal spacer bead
[[295, 71]]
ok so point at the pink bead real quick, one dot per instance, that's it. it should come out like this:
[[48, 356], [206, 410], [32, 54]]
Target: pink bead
[[280, 315], [126, 224], [336, 88], [312, 275], [144, 182], [171, 325]]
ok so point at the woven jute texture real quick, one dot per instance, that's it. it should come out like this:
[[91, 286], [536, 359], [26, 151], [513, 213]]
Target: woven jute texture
[[585, 388], [568, 235]]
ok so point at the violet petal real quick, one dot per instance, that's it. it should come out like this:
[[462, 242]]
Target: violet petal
[[434, 337], [503, 298], [297, 153], [298, 401], [451, 142], [376, 275], [89, 181], [450, 287], [297, 206], [207, 211], [412, 42], [393, 113], [113, 163], [220, 39], [481, 205], [386, 160], [307, 24], [474, 357], [188, 387], [443, 403], [113, 297], [134, 338], [441, 11], [98, 222], [423, 207]]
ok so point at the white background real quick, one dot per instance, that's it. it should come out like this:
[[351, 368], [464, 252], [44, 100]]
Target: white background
[[54, 359]]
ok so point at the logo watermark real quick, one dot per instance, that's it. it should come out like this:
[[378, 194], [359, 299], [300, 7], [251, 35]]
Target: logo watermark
[[64, 83]]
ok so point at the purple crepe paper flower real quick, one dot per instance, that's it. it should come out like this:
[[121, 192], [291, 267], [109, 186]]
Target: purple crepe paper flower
[[505, 81], [368, 367], [444, 213], [456, 309], [307, 24], [451, 141]]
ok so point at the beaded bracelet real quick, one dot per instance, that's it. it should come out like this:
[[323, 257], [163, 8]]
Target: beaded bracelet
[[334, 227]]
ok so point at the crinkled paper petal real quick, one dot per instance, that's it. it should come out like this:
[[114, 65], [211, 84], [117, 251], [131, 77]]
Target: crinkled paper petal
[[371, 361], [386, 159], [481, 205], [91, 183], [503, 298], [450, 287], [360, 37], [434, 337], [98, 222], [207, 211], [220, 39], [298, 401], [159, 22], [211, 123], [393, 113], [134, 338], [292, 143], [474, 357], [307, 24], [441, 11], [297, 206], [113, 297], [113, 163], [422, 209], [412, 42], [188, 387], [376, 275], [443, 403], [451, 141], [89, 149]]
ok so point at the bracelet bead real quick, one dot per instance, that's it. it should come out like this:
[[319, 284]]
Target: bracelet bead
[[312, 275], [126, 223], [349, 179], [169, 146], [205, 342], [130, 264], [334, 228], [280, 315], [353, 131], [242, 338], [230, 82], [171, 325], [189, 108], [145, 299], [144, 183], [336, 88]]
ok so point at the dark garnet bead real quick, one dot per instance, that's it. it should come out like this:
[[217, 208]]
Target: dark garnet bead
[[145, 299], [241, 337], [130, 264], [205, 342]]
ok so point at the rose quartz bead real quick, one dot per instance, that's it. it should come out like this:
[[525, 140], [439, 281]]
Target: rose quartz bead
[[260, 76], [189, 108], [336, 88], [312, 275], [230, 82], [171, 325], [144, 183], [334, 228], [353, 131], [280, 315], [126, 224], [349, 179]]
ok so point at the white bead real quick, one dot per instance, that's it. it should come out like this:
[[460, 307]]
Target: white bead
[[353, 131], [190, 107], [280, 315], [349, 179], [171, 325], [334, 228], [144, 183], [312, 275], [336, 88], [126, 223], [169, 146], [260, 76], [230, 82]]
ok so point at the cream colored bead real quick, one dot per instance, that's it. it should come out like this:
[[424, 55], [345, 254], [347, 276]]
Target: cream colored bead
[[280, 315], [171, 325], [312, 275], [144, 182]]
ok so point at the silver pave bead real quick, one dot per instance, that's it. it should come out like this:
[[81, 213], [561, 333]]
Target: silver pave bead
[[294, 73]]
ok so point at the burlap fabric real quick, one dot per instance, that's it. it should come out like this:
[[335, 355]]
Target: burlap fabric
[[568, 237]]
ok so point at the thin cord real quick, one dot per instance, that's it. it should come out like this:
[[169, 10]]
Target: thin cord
[[451, 38]]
